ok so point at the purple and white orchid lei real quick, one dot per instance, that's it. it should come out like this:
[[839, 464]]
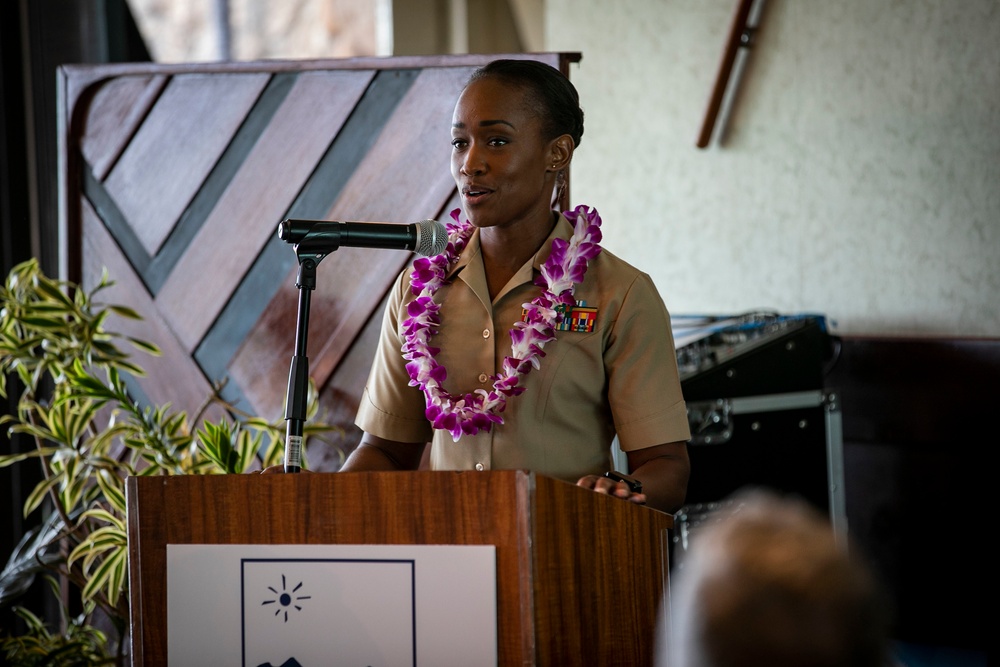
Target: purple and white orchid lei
[[561, 272]]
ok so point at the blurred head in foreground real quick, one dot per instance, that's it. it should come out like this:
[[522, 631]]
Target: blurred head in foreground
[[766, 583]]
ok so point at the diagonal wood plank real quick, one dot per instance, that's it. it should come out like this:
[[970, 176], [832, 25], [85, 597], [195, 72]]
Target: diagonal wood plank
[[247, 215], [185, 132], [172, 377], [117, 110]]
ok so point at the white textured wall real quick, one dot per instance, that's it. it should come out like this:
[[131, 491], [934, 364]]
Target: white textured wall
[[860, 178]]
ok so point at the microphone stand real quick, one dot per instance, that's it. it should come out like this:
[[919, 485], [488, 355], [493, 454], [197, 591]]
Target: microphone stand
[[298, 373], [313, 241]]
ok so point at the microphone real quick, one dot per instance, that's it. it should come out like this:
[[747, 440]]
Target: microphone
[[427, 237]]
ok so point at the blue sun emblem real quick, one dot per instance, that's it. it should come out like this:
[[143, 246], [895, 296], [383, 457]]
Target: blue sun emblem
[[286, 599]]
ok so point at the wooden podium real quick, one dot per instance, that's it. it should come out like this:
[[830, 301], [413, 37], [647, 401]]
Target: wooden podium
[[580, 576]]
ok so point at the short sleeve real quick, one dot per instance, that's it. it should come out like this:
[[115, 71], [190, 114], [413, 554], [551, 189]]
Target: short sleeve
[[641, 364], [389, 407]]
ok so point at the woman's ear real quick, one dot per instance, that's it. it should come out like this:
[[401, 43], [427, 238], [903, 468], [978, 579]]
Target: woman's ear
[[560, 152]]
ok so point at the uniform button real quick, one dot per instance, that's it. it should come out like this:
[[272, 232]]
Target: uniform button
[[486, 333], [483, 377], [480, 467]]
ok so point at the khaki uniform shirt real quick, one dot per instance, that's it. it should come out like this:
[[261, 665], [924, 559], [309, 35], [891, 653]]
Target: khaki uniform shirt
[[619, 378]]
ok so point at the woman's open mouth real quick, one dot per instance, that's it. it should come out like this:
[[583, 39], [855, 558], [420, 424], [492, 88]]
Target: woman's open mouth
[[474, 194]]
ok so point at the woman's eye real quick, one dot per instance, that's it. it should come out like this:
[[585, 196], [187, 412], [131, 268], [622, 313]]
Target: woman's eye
[[458, 144], [498, 141]]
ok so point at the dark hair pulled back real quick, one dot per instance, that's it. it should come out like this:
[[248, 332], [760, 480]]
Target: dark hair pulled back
[[555, 98]]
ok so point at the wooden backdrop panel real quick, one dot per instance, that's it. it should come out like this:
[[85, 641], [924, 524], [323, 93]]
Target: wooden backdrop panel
[[174, 178]]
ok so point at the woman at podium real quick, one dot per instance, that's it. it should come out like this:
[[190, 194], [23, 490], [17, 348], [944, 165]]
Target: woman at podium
[[525, 345]]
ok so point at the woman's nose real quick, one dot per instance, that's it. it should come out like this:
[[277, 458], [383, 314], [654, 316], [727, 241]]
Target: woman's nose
[[473, 162]]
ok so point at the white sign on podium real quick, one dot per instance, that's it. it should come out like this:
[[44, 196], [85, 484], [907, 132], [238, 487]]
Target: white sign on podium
[[321, 605]]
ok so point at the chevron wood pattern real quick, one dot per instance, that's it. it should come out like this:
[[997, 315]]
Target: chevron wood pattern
[[174, 178]]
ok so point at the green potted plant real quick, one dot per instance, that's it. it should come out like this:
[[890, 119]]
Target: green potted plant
[[88, 434]]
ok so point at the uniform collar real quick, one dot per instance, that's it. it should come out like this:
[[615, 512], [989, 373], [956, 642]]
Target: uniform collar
[[472, 259], [561, 230]]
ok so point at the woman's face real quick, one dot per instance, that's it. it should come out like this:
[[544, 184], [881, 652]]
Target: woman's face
[[500, 161]]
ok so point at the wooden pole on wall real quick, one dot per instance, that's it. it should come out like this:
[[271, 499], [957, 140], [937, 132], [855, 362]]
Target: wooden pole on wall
[[740, 36]]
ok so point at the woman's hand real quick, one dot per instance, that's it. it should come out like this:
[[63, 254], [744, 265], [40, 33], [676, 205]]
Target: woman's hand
[[611, 487]]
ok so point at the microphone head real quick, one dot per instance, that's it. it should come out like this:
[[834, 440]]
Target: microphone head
[[432, 238]]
